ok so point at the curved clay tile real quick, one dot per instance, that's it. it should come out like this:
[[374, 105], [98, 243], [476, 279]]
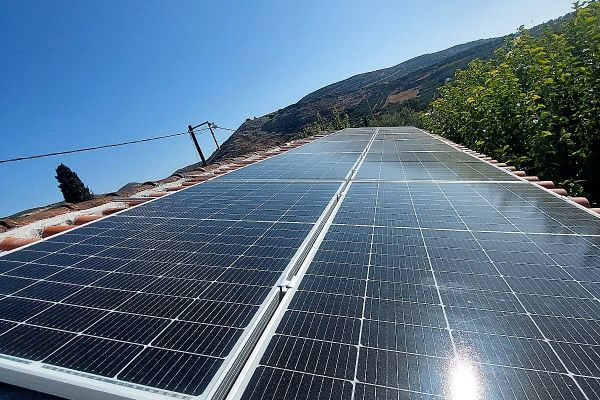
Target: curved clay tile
[[11, 243], [157, 194], [53, 230], [84, 219], [582, 201], [560, 191], [136, 202], [112, 210], [546, 184]]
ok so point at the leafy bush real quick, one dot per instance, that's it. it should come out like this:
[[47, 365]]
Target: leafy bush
[[535, 103], [336, 122], [405, 116]]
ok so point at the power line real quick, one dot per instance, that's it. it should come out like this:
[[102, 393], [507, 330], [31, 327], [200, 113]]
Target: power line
[[58, 153], [227, 129], [105, 146]]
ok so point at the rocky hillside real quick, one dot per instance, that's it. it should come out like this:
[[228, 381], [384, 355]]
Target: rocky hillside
[[412, 83]]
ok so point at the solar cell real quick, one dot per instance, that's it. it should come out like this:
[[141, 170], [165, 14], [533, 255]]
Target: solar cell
[[464, 281]]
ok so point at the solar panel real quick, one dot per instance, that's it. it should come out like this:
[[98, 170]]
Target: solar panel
[[162, 299], [440, 276], [373, 263]]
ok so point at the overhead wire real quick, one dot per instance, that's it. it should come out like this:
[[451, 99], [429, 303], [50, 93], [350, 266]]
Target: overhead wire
[[227, 129], [58, 153]]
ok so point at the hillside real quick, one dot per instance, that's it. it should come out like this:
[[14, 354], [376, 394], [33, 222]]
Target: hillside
[[412, 83]]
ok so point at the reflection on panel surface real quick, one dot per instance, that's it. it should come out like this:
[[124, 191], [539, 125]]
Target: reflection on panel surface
[[441, 277]]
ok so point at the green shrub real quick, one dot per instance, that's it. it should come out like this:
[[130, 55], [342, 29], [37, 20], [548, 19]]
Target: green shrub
[[536, 103], [336, 122]]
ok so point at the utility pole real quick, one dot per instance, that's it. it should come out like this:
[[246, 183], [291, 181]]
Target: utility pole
[[193, 135], [210, 126]]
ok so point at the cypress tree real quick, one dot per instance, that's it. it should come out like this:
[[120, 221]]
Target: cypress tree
[[73, 190]]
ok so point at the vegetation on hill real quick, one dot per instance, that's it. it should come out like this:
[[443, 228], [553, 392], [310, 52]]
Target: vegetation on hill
[[535, 103], [387, 96], [405, 116], [335, 122], [73, 190], [411, 84]]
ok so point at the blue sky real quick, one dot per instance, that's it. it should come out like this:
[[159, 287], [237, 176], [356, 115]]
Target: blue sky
[[82, 73]]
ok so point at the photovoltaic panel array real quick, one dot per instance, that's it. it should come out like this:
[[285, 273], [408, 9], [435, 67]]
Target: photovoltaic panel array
[[441, 276], [437, 276], [329, 158], [416, 156], [159, 299]]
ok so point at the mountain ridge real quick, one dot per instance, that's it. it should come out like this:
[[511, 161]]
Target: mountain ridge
[[412, 83]]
